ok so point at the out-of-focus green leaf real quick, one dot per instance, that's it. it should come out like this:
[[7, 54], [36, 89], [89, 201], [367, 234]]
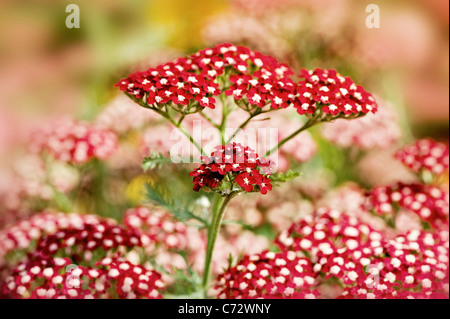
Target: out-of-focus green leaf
[[284, 177], [155, 160], [162, 197]]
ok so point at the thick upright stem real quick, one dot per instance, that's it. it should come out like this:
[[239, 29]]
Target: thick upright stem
[[218, 212]]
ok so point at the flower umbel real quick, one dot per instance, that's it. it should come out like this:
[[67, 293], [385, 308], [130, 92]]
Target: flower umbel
[[191, 83], [333, 93], [425, 155], [240, 167]]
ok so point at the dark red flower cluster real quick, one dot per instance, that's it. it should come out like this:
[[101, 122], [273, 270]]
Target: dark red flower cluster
[[333, 93], [58, 278], [76, 256], [367, 263], [425, 154], [327, 233], [170, 83], [21, 235], [412, 266], [430, 203], [74, 142], [80, 242], [46, 279], [132, 281], [249, 171], [196, 79], [262, 88], [268, 275], [156, 227]]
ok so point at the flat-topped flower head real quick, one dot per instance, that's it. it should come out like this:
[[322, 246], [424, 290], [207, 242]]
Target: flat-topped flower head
[[48, 279], [131, 281], [411, 266], [327, 233], [21, 235], [332, 93], [243, 168], [268, 275], [59, 278], [191, 83], [430, 203], [74, 142], [369, 264], [425, 155], [80, 242]]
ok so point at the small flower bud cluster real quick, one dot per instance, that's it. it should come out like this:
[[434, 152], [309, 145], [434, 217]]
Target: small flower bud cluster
[[246, 168]]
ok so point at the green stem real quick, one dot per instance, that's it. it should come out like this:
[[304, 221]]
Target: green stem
[[307, 125], [243, 125], [218, 212], [167, 116], [209, 120], [224, 117], [185, 132]]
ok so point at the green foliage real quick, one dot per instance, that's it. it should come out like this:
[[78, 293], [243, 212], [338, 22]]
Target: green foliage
[[62, 202], [284, 177], [163, 198], [188, 284], [155, 160]]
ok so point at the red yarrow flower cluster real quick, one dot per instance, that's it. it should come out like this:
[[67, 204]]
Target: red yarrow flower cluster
[[79, 242], [47, 279], [368, 264], [262, 88], [95, 249], [244, 166], [268, 275], [170, 83], [325, 233], [430, 203], [425, 154], [333, 93], [74, 142], [412, 266], [132, 281], [20, 236], [199, 78], [58, 278]]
